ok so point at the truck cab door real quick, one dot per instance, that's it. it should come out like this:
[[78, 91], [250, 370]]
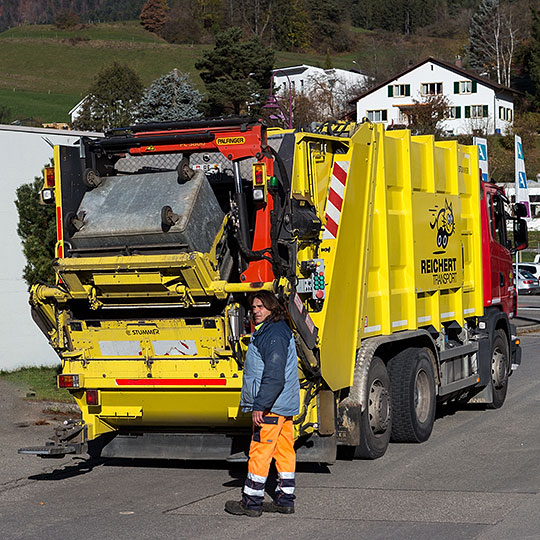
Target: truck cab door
[[501, 260]]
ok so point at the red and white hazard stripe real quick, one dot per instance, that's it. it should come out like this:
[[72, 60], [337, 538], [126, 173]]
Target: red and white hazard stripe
[[335, 199]]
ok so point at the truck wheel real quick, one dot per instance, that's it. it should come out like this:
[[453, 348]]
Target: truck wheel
[[376, 419], [413, 395], [499, 368]]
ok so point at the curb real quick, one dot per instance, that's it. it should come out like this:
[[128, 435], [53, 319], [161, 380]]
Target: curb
[[520, 330]]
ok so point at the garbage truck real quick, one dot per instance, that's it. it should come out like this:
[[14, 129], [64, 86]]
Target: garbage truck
[[392, 257]]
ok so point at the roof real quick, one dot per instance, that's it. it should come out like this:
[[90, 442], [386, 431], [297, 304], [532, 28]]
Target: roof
[[78, 105], [304, 67], [447, 65]]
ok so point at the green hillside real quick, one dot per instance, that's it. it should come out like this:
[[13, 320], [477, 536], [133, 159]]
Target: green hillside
[[46, 71]]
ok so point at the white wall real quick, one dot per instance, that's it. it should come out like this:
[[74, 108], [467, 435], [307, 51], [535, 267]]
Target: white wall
[[23, 153], [434, 73]]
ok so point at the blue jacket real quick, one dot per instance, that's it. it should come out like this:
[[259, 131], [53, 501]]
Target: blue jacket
[[270, 381]]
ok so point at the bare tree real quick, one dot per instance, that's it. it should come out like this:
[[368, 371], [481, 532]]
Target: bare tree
[[426, 117], [492, 40]]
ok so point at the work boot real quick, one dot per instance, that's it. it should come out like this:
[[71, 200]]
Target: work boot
[[238, 509], [273, 507]]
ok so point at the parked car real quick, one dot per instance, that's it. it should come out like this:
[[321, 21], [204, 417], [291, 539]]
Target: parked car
[[527, 283], [533, 268]]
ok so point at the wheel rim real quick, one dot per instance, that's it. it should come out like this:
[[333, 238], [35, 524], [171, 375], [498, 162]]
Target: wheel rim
[[379, 407], [422, 397], [498, 368]]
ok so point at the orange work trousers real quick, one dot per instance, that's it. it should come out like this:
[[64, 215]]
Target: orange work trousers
[[274, 439]]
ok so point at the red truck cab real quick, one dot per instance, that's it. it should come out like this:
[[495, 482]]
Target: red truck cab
[[497, 248]]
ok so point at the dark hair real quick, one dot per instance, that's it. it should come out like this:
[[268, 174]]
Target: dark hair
[[271, 303]]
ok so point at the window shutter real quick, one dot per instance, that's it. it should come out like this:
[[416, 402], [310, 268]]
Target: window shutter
[[456, 87], [485, 111], [390, 91], [467, 111], [458, 112], [384, 115], [407, 89], [474, 87]]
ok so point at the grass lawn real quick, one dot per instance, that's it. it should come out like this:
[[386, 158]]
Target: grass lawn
[[38, 380], [41, 106], [130, 31]]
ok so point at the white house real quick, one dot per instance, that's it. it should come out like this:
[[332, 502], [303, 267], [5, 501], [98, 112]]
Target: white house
[[304, 78], [76, 111], [476, 104], [23, 153]]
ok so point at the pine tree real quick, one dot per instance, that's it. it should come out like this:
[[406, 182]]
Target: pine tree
[[235, 73], [169, 98], [154, 15], [112, 99], [533, 59], [479, 57], [37, 230]]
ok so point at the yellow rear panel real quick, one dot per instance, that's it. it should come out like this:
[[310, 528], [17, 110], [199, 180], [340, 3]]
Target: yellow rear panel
[[409, 244]]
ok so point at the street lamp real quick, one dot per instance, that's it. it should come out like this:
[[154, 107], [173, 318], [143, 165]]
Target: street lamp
[[273, 103]]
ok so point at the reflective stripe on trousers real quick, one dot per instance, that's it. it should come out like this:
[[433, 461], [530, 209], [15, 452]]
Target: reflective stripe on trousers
[[273, 439]]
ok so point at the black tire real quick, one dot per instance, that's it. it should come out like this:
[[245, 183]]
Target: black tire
[[376, 420], [413, 395], [500, 363]]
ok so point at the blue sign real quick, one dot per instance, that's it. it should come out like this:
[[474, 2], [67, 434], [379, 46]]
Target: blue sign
[[519, 151], [482, 152], [522, 180]]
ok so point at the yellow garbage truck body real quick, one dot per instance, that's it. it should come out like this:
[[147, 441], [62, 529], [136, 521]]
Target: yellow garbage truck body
[[374, 241]]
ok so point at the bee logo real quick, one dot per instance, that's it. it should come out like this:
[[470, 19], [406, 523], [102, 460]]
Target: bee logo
[[444, 223]]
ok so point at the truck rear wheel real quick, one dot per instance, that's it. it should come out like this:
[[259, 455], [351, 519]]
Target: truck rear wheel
[[499, 368], [413, 395], [376, 419]]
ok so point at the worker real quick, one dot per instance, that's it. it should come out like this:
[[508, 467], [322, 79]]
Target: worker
[[271, 392]]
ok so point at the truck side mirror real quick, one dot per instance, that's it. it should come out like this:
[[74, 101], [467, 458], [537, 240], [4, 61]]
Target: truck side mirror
[[521, 235], [520, 210]]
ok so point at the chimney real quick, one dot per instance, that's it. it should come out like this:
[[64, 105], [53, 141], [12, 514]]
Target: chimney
[[459, 61]]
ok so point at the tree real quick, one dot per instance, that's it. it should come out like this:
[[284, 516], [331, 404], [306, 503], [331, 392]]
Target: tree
[[66, 20], [154, 15], [112, 99], [291, 25], [426, 117], [169, 98], [235, 73], [492, 40], [37, 230], [533, 59]]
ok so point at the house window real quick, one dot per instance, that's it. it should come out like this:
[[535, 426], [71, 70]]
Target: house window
[[465, 87], [453, 113], [476, 111], [431, 89], [399, 90], [380, 115], [505, 114]]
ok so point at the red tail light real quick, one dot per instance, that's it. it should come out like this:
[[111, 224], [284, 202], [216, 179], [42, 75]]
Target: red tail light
[[528, 282], [92, 397], [48, 173], [68, 381]]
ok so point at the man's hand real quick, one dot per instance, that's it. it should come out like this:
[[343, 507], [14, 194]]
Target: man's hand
[[257, 417]]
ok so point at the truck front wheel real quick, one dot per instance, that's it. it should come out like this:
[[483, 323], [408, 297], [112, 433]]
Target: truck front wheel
[[376, 419], [413, 395], [499, 368]]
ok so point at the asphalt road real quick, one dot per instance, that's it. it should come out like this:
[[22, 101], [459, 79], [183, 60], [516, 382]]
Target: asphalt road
[[478, 477]]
